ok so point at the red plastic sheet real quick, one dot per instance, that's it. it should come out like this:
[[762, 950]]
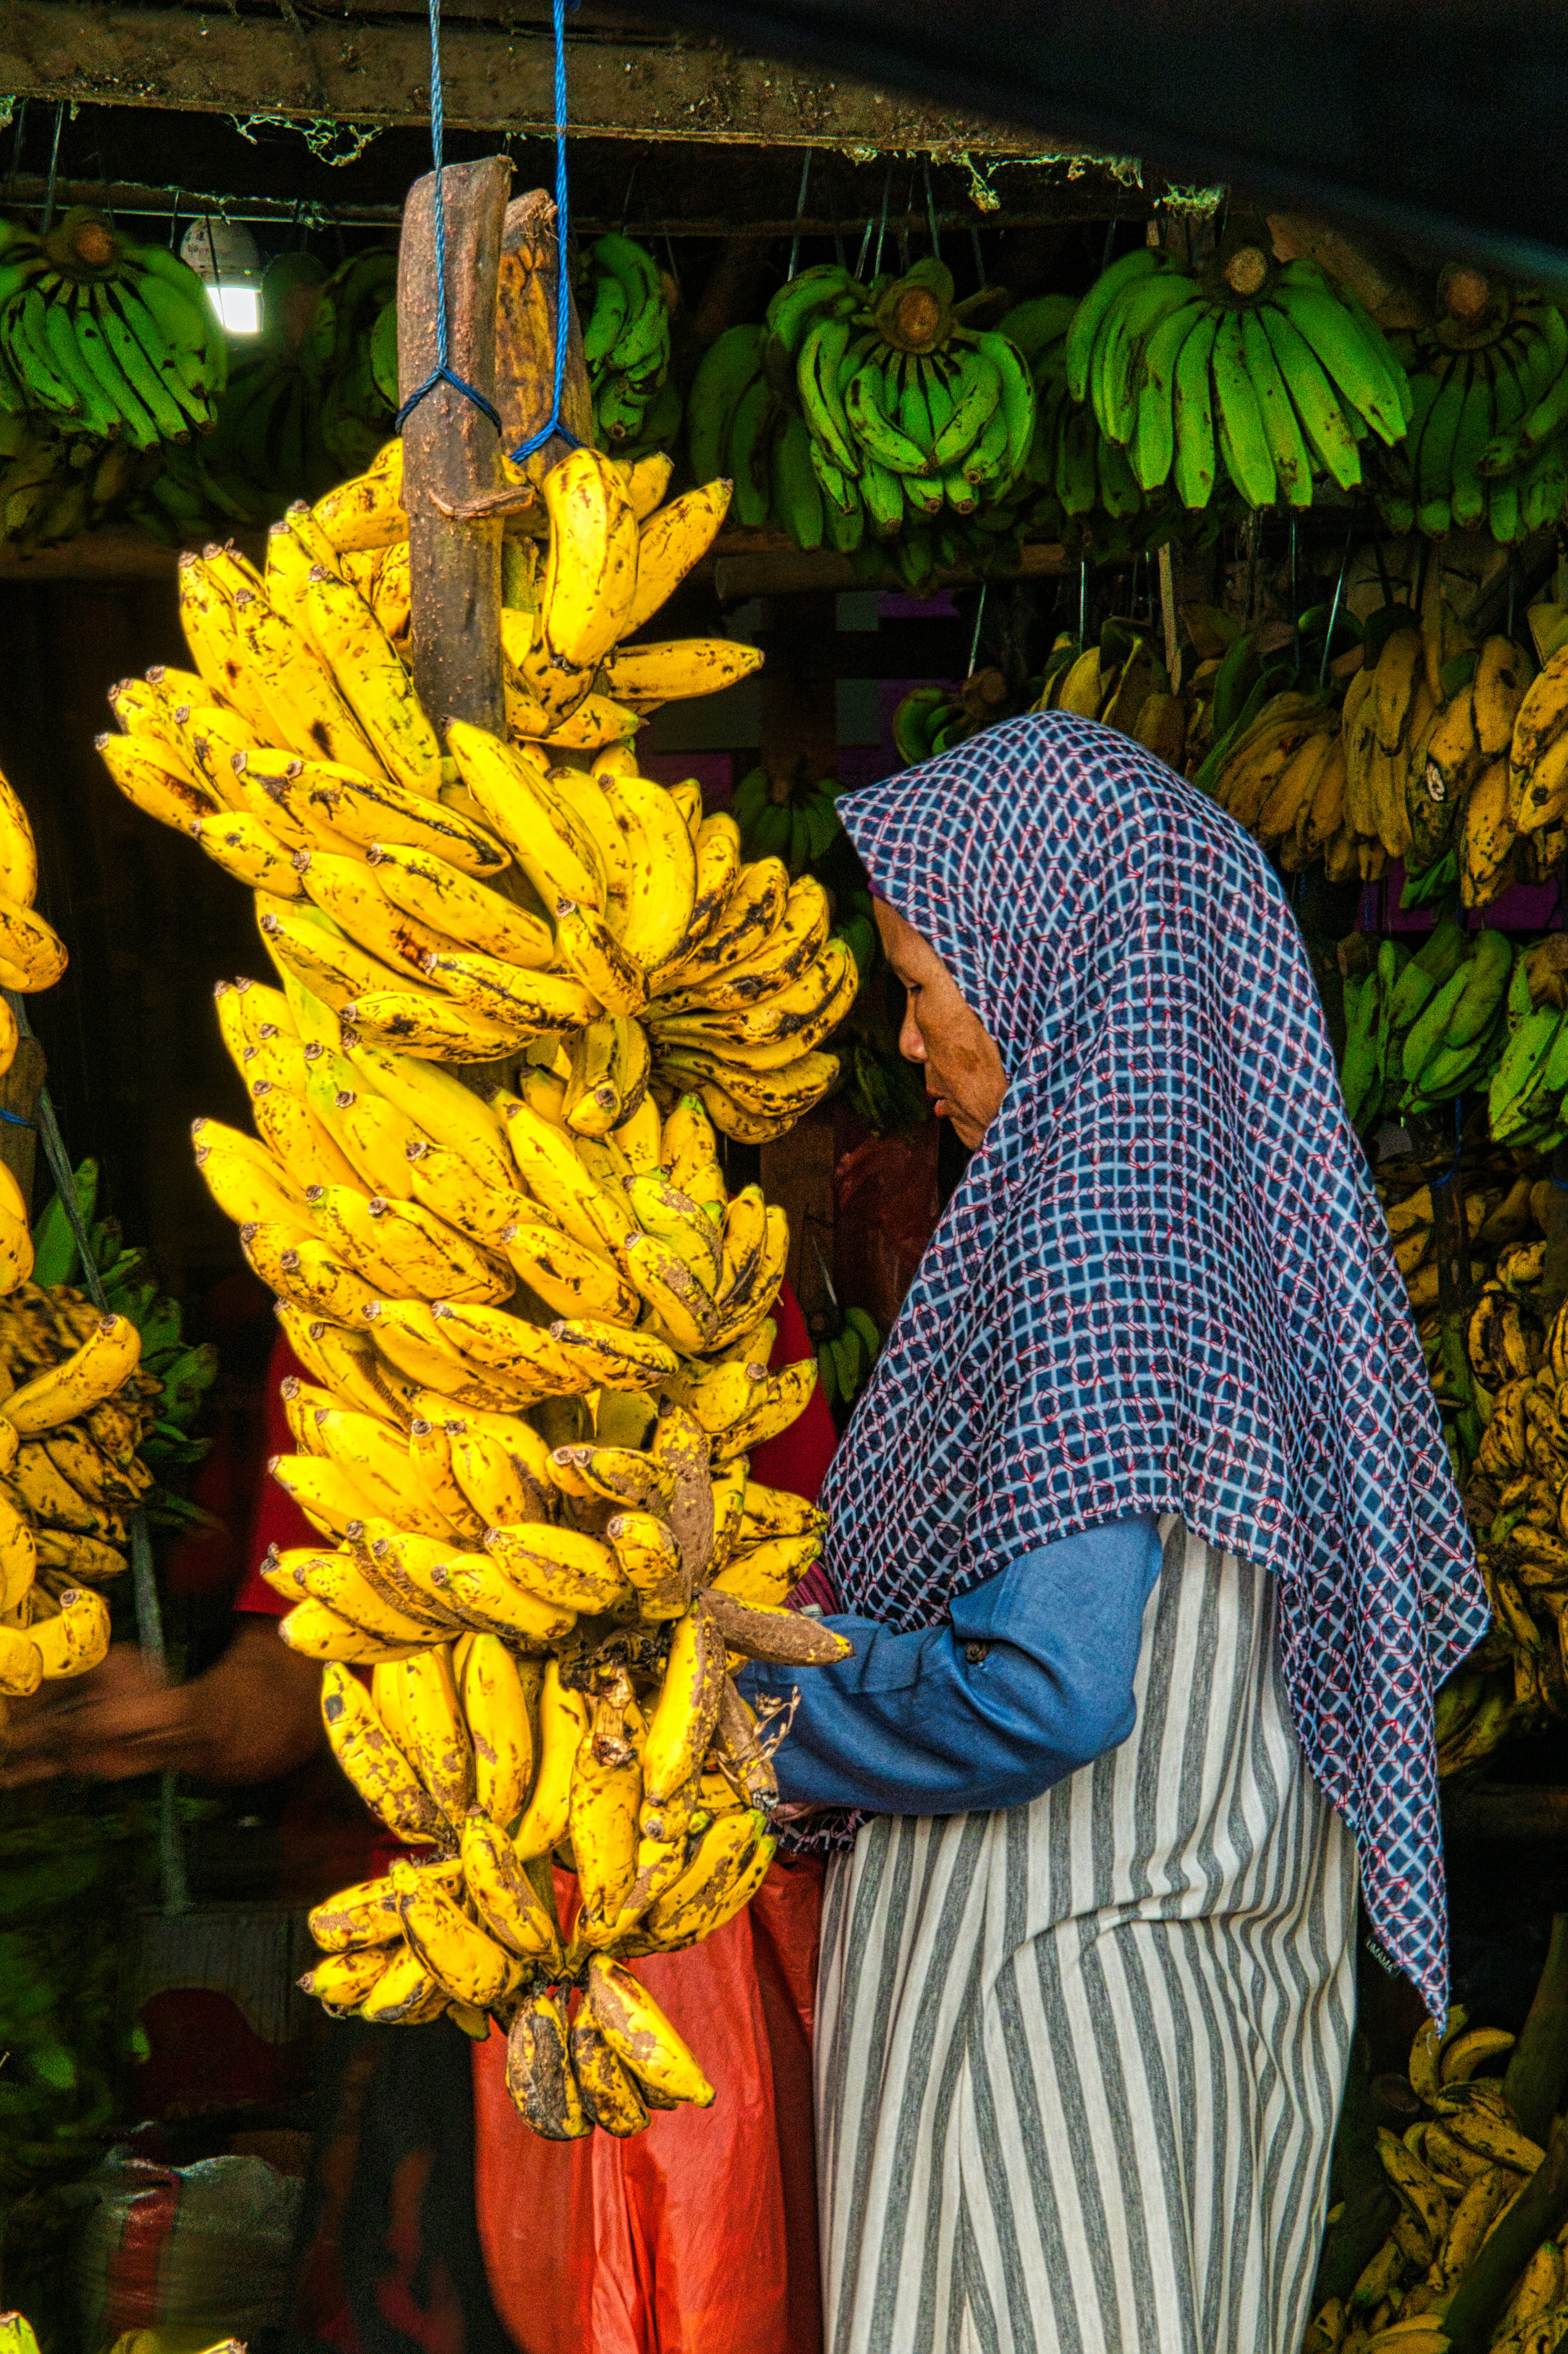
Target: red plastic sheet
[[700, 2235]]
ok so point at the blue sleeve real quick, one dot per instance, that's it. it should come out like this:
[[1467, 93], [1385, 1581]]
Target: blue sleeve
[[1030, 1678]]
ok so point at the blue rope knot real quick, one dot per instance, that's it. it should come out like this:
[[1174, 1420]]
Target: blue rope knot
[[554, 427]]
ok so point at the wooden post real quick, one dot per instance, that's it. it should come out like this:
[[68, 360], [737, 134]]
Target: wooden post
[[452, 451], [526, 334], [20, 1088]]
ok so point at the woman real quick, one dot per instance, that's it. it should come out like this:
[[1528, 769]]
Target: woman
[[1144, 1535]]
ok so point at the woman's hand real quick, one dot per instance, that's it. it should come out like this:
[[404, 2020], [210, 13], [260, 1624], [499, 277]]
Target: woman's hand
[[255, 1714]]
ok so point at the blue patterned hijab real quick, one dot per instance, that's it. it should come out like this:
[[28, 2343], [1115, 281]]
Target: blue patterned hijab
[[1164, 1283]]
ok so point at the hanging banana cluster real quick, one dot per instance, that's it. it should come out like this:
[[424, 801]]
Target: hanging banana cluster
[[463, 907], [858, 415], [312, 402], [113, 339], [536, 1369], [75, 1406], [626, 343], [1488, 443], [533, 1323], [1471, 2257], [1244, 367]]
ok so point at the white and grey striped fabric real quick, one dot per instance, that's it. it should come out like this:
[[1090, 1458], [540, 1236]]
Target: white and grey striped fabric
[[1079, 2064]]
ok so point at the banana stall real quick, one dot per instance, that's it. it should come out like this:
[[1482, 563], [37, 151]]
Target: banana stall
[[445, 611]]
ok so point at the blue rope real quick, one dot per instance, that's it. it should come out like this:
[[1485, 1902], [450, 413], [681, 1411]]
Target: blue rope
[[442, 373], [563, 281]]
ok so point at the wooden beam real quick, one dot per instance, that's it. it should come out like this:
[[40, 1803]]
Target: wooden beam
[[767, 564], [496, 78], [451, 449]]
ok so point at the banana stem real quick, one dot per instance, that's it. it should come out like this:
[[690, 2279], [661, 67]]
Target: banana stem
[[1537, 2214], [1538, 2066]]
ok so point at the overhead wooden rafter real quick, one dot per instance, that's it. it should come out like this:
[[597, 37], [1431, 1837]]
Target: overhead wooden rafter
[[626, 82]]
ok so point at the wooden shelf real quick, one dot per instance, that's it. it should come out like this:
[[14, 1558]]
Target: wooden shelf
[[744, 564]]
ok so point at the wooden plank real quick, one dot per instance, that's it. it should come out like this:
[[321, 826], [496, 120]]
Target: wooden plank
[[113, 554], [451, 449], [780, 569], [1090, 197], [496, 79], [742, 565], [20, 1088]]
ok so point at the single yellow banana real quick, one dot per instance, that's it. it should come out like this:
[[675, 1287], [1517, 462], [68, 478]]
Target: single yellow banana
[[567, 1276], [602, 1826], [245, 1179], [641, 2036], [669, 542], [459, 906], [539, 2074], [423, 1024], [612, 1356], [687, 1708], [375, 1764], [104, 1363], [662, 888], [480, 1590], [75, 1639], [461, 1956], [609, 2095], [499, 1699], [371, 676], [591, 573], [501, 1893], [651, 1560], [317, 1632], [563, 1721], [356, 1918], [438, 1747]]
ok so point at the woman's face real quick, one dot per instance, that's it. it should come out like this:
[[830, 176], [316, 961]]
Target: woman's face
[[964, 1076]]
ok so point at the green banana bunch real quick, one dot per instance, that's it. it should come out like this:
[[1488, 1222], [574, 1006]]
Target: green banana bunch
[[928, 720], [845, 1360], [1244, 368], [113, 339], [1488, 444], [357, 409], [54, 483], [269, 445], [626, 343], [798, 823], [1453, 1020]]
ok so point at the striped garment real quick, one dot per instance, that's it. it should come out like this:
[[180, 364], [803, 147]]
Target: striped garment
[[1080, 2063], [1164, 1283]]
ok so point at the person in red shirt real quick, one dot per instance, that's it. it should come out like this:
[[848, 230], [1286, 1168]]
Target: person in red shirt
[[620, 2246]]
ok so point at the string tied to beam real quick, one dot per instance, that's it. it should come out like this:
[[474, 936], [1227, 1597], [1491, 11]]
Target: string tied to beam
[[552, 425], [444, 372]]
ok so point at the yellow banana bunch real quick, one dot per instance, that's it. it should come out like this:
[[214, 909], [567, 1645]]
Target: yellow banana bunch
[[1457, 2173], [531, 1322]]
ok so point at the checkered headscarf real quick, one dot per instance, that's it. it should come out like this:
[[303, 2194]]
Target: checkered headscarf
[[1164, 1283]]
